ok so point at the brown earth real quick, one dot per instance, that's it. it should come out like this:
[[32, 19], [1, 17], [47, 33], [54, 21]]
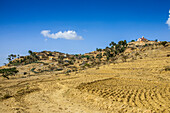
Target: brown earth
[[141, 85]]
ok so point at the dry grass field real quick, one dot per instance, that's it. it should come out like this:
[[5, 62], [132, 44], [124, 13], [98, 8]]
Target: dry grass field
[[135, 86]]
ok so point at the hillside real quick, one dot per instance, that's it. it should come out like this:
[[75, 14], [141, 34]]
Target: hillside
[[136, 80], [47, 61]]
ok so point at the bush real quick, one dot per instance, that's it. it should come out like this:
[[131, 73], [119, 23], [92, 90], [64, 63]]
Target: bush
[[136, 54], [167, 68], [6, 96], [164, 43], [45, 63], [9, 71], [97, 68], [124, 57], [88, 65], [59, 69]]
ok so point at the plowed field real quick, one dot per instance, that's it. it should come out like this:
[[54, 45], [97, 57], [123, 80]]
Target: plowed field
[[136, 93]]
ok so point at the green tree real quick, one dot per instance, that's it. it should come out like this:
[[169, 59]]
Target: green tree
[[98, 49], [87, 56], [18, 56], [50, 54], [125, 43], [164, 43], [30, 52], [9, 59], [112, 44], [14, 56], [120, 42]]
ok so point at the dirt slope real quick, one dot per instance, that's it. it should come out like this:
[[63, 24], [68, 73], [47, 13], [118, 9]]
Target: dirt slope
[[140, 85]]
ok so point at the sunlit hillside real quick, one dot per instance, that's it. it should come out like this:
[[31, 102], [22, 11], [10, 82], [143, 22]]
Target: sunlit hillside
[[138, 83]]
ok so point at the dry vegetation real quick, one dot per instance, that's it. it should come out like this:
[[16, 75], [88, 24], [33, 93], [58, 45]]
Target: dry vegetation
[[137, 81]]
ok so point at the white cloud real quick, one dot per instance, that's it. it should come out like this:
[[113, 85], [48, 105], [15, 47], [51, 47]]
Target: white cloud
[[168, 22], [69, 35]]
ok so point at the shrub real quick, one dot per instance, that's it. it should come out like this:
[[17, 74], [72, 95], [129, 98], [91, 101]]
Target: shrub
[[97, 68], [59, 69], [124, 57], [145, 45], [45, 63], [6, 96], [167, 68], [164, 43], [88, 65], [9, 71], [136, 54]]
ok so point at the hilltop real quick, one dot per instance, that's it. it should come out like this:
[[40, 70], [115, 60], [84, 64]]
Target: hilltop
[[57, 62]]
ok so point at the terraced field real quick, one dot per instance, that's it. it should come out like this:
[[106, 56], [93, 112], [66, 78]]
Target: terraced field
[[136, 93], [140, 84]]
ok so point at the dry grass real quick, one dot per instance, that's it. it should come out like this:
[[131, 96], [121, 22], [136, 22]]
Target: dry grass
[[139, 86]]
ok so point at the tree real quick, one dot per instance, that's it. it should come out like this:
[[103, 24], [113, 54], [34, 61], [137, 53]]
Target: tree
[[9, 59], [30, 52], [121, 43], [106, 48], [50, 54], [112, 44], [117, 46], [98, 49], [14, 56], [87, 56], [108, 58], [132, 40], [18, 56], [164, 43], [124, 43], [122, 49], [156, 40]]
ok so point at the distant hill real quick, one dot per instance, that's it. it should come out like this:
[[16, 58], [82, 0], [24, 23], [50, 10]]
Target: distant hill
[[47, 61]]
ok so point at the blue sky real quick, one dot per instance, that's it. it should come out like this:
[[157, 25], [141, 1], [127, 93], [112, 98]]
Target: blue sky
[[98, 22]]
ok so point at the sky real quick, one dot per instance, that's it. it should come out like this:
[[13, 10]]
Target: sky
[[78, 26]]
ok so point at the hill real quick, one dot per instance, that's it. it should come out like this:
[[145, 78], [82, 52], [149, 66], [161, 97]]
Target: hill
[[136, 80]]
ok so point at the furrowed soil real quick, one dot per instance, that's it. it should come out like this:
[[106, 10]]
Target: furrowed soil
[[137, 86]]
